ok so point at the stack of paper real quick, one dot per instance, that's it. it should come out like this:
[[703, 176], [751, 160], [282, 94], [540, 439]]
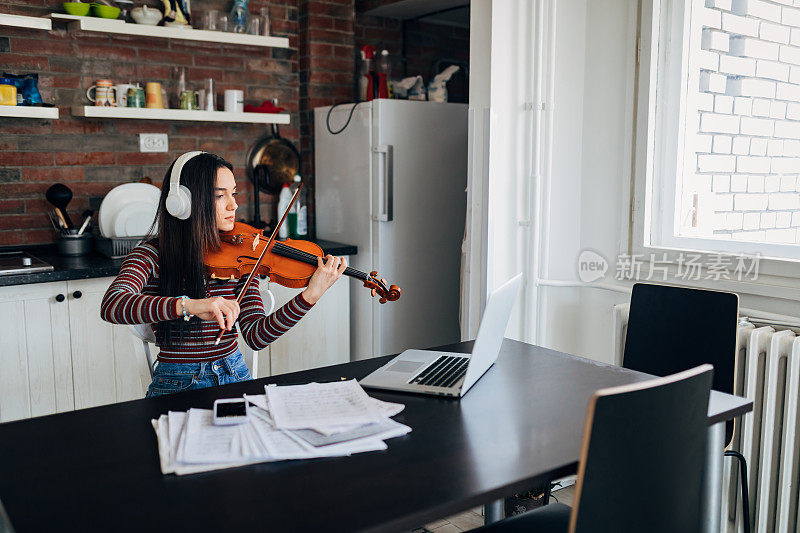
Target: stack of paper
[[290, 422]]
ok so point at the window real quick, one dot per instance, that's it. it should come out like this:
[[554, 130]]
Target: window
[[722, 128]]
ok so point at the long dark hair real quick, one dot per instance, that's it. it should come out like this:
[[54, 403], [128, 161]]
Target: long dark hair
[[182, 243]]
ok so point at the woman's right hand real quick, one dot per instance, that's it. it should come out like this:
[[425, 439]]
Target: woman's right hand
[[224, 311]]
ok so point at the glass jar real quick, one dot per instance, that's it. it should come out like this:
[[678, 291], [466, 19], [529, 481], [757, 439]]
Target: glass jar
[[8, 92]]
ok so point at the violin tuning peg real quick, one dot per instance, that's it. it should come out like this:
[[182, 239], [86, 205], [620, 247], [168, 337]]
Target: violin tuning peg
[[382, 300], [383, 280], [373, 292]]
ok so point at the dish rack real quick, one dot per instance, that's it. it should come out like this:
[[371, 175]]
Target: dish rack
[[116, 247]]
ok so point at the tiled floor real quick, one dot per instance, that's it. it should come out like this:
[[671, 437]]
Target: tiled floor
[[474, 518]]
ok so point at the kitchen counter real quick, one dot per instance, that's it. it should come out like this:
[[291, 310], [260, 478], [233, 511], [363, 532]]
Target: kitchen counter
[[96, 265]]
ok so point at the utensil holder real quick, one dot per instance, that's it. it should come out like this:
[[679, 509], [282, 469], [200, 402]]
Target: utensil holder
[[73, 244], [117, 247]]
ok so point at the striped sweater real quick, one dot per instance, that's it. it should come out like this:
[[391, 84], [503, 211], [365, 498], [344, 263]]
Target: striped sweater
[[133, 298]]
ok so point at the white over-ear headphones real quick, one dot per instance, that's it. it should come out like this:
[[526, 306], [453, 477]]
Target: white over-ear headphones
[[179, 199]]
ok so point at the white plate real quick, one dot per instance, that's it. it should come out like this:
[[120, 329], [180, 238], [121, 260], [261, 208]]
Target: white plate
[[118, 197], [135, 219]]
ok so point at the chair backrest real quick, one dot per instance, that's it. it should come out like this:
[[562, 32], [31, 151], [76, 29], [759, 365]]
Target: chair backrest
[[671, 329], [144, 332], [642, 457]]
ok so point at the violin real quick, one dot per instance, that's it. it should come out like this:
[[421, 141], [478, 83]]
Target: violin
[[291, 266], [290, 263]]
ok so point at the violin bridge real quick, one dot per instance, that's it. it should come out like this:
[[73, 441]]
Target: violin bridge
[[255, 241]]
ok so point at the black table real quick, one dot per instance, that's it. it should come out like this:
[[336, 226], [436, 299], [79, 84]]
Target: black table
[[520, 425]]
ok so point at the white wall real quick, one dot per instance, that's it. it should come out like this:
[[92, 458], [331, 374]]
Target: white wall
[[585, 164]]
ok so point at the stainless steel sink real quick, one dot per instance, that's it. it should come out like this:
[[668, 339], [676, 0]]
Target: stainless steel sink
[[21, 263]]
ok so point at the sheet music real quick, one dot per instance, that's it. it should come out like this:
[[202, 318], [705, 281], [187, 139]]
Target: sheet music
[[205, 442], [338, 404], [189, 442]]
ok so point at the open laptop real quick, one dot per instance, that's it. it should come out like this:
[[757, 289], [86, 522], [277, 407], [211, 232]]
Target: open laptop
[[450, 373]]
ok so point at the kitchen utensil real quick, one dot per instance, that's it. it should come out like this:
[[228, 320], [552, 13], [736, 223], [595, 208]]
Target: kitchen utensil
[[105, 93], [87, 217], [153, 95], [54, 220], [60, 195], [254, 26], [121, 90], [265, 22], [189, 100], [74, 244], [106, 12], [118, 197], [79, 9], [135, 219], [135, 97], [149, 16], [125, 7], [270, 162], [209, 101], [8, 92], [210, 20], [234, 101]]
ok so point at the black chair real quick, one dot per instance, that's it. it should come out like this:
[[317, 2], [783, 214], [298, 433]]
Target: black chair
[[671, 329], [621, 486]]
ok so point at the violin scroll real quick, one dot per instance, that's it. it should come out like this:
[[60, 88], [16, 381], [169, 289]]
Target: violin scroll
[[378, 287]]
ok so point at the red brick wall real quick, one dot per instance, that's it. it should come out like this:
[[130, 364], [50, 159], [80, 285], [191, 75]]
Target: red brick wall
[[92, 156]]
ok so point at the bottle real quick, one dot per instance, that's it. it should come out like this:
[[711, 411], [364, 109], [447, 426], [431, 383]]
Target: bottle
[[363, 78], [283, 203], [300, 209], [239, 15], [373, 83], [384, 75]]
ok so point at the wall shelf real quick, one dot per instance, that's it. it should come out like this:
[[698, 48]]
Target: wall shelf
[[178, 114], [20, 21], [102, 25], [24, 111]]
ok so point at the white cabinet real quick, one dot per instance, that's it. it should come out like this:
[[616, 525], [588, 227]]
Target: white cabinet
[[106, 365], [56, 354], [321, 338], [35, 365]]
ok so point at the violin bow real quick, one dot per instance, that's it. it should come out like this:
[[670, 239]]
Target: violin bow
[[261, 257]]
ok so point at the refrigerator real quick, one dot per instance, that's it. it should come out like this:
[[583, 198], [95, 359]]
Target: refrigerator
[[393, 183]]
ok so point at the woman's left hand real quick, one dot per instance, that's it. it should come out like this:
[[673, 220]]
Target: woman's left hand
[[328, 271]]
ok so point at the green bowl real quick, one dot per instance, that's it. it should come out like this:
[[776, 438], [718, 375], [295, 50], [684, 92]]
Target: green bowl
[[106, 12], [78, 9]]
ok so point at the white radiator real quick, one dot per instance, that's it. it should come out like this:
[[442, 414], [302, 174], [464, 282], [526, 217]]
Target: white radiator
[[767, 372]]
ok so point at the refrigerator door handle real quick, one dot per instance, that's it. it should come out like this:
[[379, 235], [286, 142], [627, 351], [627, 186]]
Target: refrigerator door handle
[[385, 183]]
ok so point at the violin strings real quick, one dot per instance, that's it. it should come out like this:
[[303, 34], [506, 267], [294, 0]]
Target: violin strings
[[306, 257]]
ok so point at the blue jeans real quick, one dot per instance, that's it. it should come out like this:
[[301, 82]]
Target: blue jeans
[[169, 378]]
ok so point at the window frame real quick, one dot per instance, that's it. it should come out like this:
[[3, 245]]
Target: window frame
[[651, 192]]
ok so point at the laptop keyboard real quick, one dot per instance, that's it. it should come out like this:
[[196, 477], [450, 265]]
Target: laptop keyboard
[[444, 372]]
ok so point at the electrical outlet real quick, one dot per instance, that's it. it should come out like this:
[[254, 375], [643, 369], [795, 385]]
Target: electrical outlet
[[153, 142]]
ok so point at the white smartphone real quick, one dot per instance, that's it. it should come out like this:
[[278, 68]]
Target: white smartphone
[[229, 411]]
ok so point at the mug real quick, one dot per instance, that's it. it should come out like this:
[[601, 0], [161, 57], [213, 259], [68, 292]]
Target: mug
[[104, 93], [234, 101], [122, 93], [153, 97], [136, 97], [188, 100]]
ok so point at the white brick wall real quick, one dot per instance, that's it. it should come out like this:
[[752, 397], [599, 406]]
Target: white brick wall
[[747, 141]]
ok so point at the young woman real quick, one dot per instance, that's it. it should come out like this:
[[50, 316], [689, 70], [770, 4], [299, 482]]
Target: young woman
[[163, 282]]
